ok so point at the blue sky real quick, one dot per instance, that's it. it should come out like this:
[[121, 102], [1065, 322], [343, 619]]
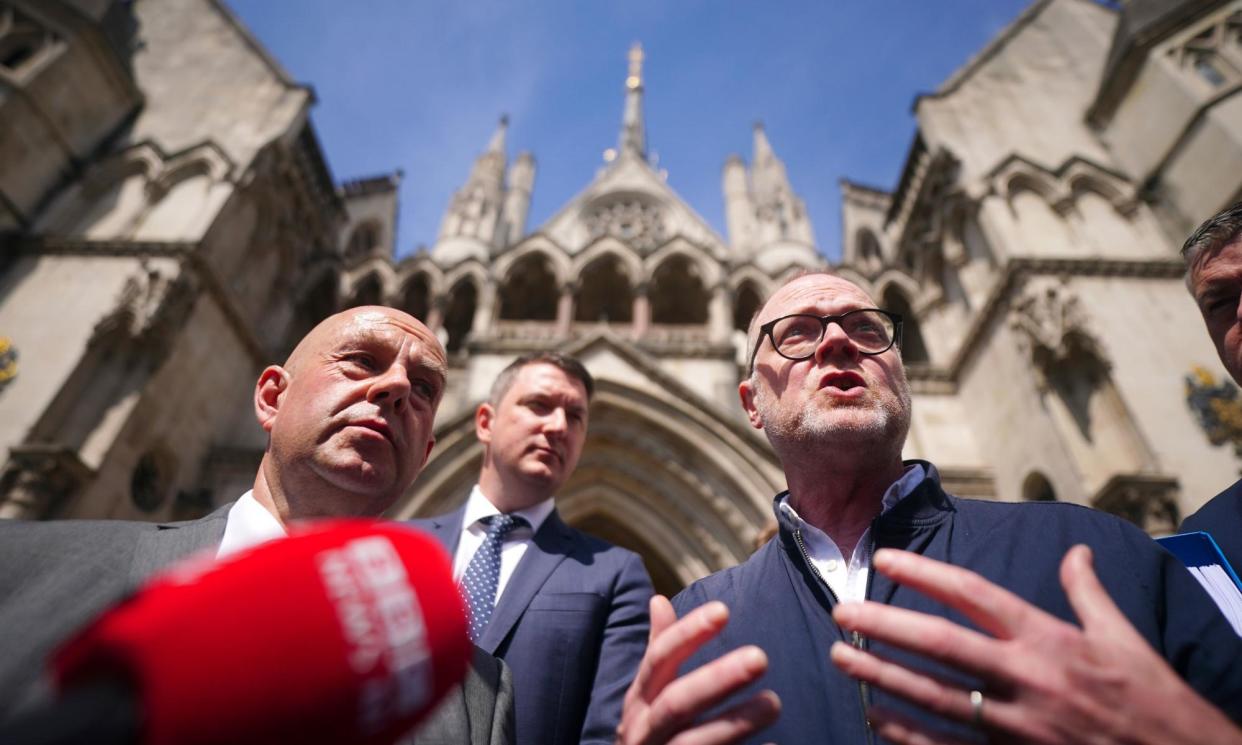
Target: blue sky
[[419, 86]]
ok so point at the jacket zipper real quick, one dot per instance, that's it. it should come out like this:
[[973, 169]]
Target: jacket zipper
[[856, 639]]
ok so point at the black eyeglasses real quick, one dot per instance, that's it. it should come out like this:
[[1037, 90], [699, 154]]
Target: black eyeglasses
[[795, 337]]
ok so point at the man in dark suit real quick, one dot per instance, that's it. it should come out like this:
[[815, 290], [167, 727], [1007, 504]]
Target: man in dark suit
[[349, 421], [566, 611], [1213, 256]]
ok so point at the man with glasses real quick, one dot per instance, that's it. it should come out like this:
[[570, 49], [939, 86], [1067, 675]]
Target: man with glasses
[[827, 386]]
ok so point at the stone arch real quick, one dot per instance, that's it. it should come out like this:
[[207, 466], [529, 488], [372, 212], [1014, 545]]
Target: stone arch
[[852, 275], [631, 264], [421, 264], [686, 490], [366, 290], [708, 268], [1043, 229], [538, 245], [678, 293], [913, 347], [108, 198], [529, 289], [1037, 488], [604, 291]]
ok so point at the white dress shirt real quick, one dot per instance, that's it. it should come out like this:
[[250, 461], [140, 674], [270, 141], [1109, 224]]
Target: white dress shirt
[[515, 543], [848, 580], [248, 524]]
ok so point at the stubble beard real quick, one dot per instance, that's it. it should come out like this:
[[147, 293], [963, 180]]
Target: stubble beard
[[877, 426]]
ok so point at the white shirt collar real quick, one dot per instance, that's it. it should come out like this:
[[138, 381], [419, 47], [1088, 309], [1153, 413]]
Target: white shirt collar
[[478, 506], [249, 524]]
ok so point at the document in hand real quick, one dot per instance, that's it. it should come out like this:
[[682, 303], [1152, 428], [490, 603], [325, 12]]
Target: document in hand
[[1205, 561]]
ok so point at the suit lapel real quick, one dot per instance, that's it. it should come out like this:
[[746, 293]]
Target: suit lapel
[[551, 544], [446, 529], [171, 542]]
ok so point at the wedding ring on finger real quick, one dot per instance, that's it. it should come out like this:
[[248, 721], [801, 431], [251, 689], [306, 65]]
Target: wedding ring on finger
[[976, 708]]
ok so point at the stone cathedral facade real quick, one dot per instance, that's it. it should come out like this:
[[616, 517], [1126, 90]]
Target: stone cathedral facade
[[169, 226]]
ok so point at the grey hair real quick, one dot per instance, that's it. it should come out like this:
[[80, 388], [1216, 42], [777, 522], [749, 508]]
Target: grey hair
[[1215, 233]]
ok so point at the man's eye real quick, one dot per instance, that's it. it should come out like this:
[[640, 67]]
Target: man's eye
[[424, 389], [1220, 303], [364, 361]]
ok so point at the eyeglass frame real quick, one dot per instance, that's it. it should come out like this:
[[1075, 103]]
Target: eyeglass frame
[[765, 331]]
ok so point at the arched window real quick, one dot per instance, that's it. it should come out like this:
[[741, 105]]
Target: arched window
[[746, 302], [677, 293], [529, 291], [1037, 488], [369, 291], [364, 238], [416, 298], [913, 350], [459, 315], [313, 306], [604, 293]]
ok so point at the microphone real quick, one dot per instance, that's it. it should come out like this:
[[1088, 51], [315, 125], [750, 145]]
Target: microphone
[[346, 632]]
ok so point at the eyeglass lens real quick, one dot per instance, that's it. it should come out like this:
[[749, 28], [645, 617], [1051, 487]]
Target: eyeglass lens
[[797, 336]]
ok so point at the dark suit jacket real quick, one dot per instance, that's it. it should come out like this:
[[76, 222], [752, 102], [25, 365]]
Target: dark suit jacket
[[572, 624], [1221, 517], [57, 576]]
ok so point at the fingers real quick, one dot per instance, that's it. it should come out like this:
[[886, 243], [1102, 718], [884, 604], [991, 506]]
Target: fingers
[[1091, 603], [931, 636], [736, 724], [989, 606], [687, 697], [918, 688], [674, 642], [891, 726]]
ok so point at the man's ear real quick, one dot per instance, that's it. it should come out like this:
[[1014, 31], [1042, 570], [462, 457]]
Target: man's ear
[[268, 392], [484, 418], [746, 391]]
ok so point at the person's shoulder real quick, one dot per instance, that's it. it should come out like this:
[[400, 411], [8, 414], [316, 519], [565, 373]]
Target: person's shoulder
[[68, 529], [1054, 521], [1224, 509], [729, 584]]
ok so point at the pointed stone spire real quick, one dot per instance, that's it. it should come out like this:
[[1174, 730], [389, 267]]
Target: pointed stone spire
[[469, 227], [497, 143], [762, 149], [633, 135]]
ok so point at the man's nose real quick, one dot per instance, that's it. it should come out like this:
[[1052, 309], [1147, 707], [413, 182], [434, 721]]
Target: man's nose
[[391, 387], [556, 421], [835, 341]]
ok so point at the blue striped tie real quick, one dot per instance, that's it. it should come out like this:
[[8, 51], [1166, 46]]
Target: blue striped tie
[[482, 575]]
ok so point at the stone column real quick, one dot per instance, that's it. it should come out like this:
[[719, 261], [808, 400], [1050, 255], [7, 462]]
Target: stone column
[[565, 309], [481, 328], [641, 314], [719, 314], [435, 312]]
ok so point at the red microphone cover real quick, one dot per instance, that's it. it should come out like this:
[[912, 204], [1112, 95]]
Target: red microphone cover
[[347, 631]]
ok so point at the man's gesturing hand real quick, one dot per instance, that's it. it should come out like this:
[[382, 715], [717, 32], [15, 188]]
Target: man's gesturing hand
[[661, 707], [1045, 680]]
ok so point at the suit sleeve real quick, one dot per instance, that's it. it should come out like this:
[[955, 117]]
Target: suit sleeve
[[624, 641]]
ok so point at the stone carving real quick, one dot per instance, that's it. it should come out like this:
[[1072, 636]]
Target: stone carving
[[1052, 328], [38, 479], [8, 362], [1149, 502], [637, 223], [1216, 407], [150, 308]]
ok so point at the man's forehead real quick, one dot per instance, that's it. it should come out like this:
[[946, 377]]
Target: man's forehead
[[542, 376], [382, 323], [813, 291], [1220, 266]]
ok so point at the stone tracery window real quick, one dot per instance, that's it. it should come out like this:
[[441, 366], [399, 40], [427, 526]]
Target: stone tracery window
[[677, 293], [529, 291], [1037, 488], [870, 260], [1214, 54], [638, 222], [604, 293]]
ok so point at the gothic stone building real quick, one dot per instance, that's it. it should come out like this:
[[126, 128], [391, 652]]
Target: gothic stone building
[[170, 227]]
